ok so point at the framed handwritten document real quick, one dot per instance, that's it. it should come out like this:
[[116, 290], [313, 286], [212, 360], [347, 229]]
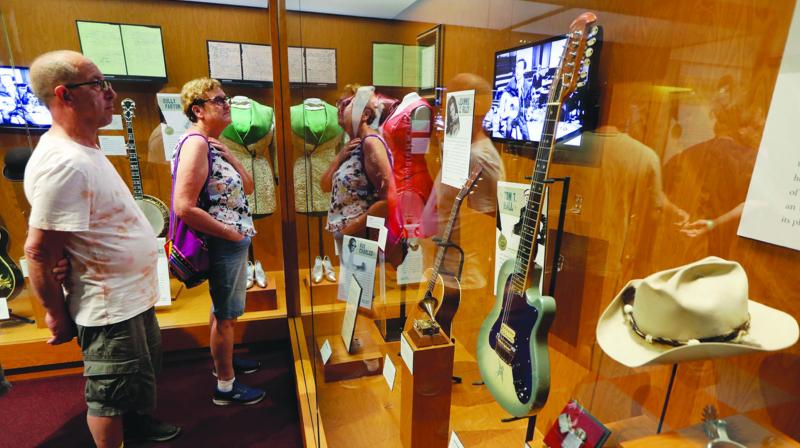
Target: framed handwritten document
[[240, 63], [312, 66], [124, 52], [430, 45]]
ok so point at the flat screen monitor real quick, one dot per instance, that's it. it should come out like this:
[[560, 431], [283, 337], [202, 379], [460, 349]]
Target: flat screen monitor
[[19, 107], [522, 80]]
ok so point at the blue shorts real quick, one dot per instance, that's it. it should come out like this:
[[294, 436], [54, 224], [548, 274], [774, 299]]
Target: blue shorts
[[227, 279]]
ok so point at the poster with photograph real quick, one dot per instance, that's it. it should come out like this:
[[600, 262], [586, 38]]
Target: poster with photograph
[[176, 121], [459, 108], [511, 198], [357, 260]]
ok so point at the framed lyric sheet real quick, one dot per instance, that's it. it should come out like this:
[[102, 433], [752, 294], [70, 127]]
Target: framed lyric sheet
[[431, 43]]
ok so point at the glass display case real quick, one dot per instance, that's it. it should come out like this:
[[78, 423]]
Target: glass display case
[[479, 223]]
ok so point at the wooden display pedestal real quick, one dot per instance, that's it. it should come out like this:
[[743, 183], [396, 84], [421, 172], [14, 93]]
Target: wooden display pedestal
[[366, 359], [322, 293], [262, 299], [425, 394]]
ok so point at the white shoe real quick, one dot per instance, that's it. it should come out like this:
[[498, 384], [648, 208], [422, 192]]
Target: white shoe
[[330, 273], [261, 276], [250, 274], [317, 270]]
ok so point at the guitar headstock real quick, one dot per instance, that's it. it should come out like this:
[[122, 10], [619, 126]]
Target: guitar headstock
[[574, 67], [470, 183], [128, 106]]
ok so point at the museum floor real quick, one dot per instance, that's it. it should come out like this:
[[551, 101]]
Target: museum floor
[[50, 412]]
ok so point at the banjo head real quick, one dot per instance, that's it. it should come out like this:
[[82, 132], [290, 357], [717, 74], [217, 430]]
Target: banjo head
[[156, 214]]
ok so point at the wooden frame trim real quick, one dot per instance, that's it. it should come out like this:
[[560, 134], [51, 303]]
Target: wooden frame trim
[[310, 421]]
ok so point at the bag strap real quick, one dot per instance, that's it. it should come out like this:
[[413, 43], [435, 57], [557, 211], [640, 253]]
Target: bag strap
[[174, 175]]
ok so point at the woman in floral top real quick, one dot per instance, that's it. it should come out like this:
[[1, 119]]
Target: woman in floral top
[[214, 203], [360, 177]]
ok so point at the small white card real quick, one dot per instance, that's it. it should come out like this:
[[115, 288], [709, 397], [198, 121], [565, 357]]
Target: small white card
[[420, 145], [113, 145], [571, 441], [382, 238], [325, 351], [115, 125], [389, 371], [375, 222], [23, 266], [454, 441], [407, 353], [3, 309], [162, 269]]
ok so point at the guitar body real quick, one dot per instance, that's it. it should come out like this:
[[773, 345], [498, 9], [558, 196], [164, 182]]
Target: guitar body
[[156, 212], [512, 349], [447, 292], [11, 279]]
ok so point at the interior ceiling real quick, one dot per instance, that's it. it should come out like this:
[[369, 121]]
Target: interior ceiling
[[539, 17]]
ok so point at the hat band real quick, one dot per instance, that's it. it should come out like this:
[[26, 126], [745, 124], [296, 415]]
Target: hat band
[[627, 310]]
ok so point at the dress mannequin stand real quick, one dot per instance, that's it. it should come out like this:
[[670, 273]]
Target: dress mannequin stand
[[408, 131], [315, 129]]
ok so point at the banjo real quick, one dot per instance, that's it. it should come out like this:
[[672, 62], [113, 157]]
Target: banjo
[[154, 210]]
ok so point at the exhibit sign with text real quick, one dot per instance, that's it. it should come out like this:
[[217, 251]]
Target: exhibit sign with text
[[357, 260], [457, 137], [772, 210], [176, 121], [511, 198]]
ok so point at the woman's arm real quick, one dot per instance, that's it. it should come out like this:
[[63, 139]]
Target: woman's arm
[[379, 172], [326, 181], [190, 180], [247, 178]]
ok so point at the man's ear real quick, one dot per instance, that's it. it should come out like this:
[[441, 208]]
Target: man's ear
[[62, 93]]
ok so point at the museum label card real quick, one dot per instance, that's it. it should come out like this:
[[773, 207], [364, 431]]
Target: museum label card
[[325, 352], [4, 308], [350, 313], [411, 269], [457, 137], [23, 266], [382, 233], [389, 371], [454, 441], [113, 145], [407, 353], [115, 125], [375, 222], [162, 270]]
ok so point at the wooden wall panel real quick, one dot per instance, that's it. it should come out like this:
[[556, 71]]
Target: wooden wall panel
[[673, 75], [38, 27]]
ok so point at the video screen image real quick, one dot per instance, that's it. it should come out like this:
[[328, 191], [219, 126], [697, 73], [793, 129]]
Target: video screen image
[[19, 107], [522, 81]]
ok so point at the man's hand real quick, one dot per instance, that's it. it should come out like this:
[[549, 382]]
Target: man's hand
[[63, 329], [61, 271]]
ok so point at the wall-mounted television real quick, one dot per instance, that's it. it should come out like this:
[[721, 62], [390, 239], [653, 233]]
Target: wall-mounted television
[[522, 80], [19, 107]]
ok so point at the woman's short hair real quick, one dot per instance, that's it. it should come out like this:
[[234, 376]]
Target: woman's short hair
[[195, 90]]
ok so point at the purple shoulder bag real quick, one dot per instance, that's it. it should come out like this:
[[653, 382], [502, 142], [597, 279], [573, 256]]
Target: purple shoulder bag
[[187, 252]]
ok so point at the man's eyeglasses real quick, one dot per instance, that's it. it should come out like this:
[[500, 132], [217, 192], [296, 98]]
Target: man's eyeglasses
[[102, 83], [220, 101]]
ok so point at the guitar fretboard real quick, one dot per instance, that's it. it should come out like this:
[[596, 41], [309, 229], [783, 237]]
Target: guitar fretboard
[[448, 232], [136, 177], [533, 213]]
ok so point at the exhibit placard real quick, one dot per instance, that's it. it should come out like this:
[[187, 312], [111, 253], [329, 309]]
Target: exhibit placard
[[357, 260], [457, 137], [350, 313]]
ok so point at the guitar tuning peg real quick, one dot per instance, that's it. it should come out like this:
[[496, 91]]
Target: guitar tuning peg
[[593, 32], [591, 41], [581, 84], [589, 52]]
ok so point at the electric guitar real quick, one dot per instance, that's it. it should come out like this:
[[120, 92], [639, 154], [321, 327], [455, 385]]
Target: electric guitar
[[442, 295], [512, 342], [154, 210], [11, 280]]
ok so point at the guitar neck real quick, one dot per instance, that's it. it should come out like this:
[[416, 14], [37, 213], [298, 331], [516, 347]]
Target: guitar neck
[[133, 159], [448, 232], [532, 217]]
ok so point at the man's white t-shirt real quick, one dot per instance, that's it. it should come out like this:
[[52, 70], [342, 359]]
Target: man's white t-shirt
[[112, 248]]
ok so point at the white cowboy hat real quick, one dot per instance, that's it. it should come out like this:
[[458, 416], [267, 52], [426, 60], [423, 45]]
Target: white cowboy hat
[[697, 311]]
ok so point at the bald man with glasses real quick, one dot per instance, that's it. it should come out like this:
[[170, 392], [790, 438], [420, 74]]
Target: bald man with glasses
[[81, 206]]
